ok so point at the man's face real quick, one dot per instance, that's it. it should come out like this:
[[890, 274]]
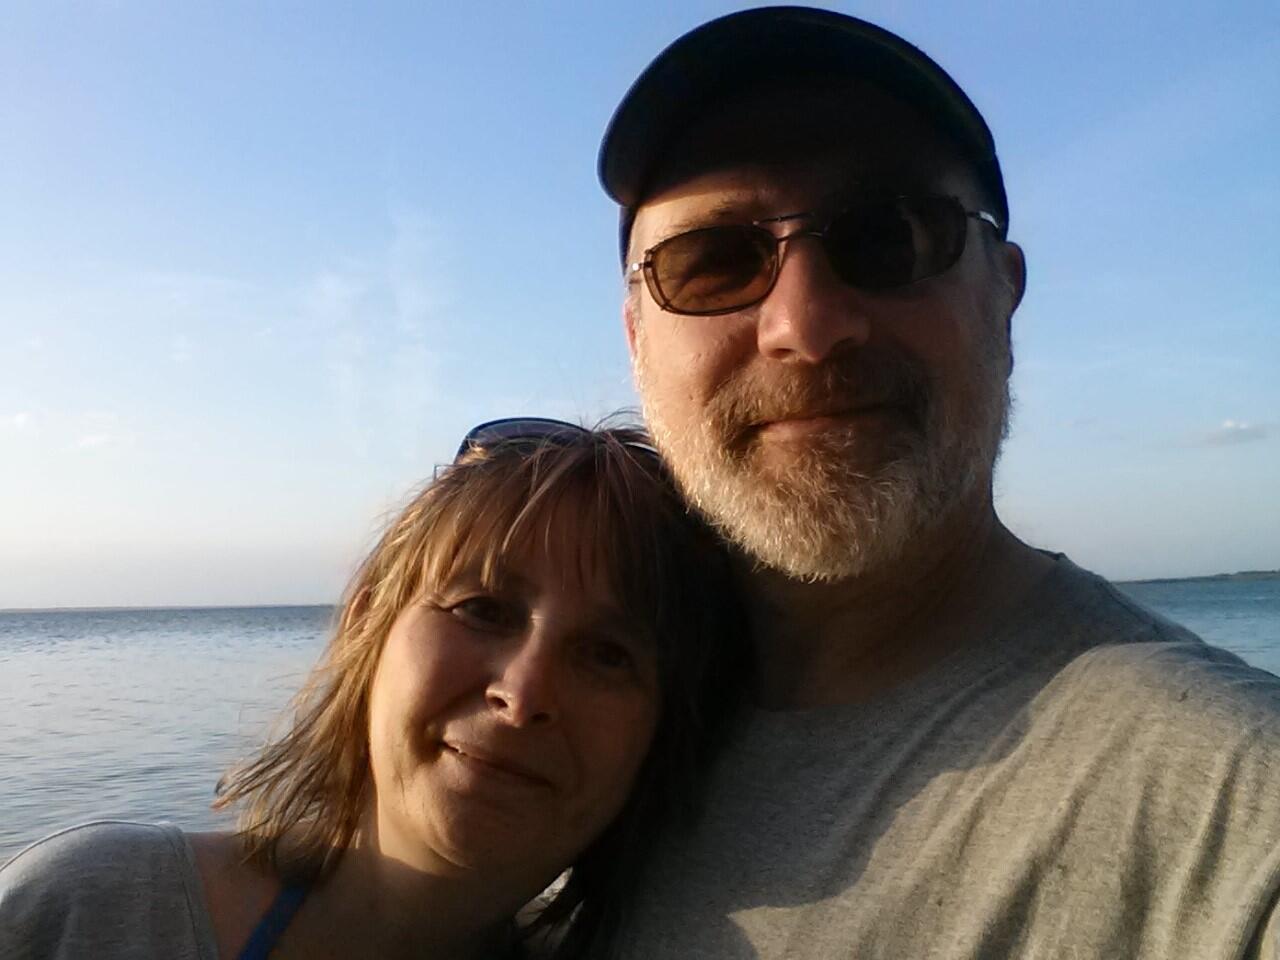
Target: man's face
[[826, 429]]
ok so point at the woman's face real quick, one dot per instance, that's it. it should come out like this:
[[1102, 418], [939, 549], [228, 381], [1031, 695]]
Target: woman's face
[[507, 723]]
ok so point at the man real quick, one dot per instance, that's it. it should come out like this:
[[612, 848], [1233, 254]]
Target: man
[[962, 746]]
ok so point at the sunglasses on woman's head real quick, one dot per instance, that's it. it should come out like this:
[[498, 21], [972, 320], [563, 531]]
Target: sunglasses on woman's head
[[874, 245], [534, 429]]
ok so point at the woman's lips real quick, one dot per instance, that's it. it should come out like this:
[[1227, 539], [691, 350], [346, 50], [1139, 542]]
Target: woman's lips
[[486, 763]]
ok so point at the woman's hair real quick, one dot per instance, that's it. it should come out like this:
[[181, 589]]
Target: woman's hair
[[302, 797]]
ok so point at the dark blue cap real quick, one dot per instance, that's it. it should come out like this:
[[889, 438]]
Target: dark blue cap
[[715, 62]]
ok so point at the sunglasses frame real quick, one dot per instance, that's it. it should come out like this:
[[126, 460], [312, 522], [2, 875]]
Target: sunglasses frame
[[506, 429], [645, 264], [516, 429]]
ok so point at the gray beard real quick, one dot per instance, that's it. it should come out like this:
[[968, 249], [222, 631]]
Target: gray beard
[[818, 518]]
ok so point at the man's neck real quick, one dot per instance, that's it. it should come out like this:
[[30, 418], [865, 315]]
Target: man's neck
[[820, 644]]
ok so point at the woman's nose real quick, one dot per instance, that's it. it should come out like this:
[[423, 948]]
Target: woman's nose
[[523, 692]]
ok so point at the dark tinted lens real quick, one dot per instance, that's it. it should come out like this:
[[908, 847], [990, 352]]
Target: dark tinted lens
[[713, 270], [877, 245], [514, 428]]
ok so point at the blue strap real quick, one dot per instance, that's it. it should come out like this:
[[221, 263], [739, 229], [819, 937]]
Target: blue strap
[[273, 923]]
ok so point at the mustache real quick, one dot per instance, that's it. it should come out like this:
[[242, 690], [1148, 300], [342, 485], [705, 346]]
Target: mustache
[[854, 380]]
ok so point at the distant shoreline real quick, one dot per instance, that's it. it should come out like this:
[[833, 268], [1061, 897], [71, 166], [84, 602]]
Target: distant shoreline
[[1246, 575], [176, 608], [1242, 575]]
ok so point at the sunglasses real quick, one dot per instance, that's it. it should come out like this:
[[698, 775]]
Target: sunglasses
[[536, 429], [875, 244]]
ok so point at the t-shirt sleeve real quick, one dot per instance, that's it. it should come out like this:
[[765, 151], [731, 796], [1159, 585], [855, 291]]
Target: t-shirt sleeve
[[1266, 944], [110, 890]]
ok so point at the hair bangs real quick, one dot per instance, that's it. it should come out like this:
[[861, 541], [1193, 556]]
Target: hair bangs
[[588, 510]]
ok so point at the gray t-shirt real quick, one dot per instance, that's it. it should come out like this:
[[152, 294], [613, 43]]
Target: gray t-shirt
[[110, 890], [1092, 782]]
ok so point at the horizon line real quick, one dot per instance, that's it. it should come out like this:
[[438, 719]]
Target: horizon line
[[124, 608], [99, 608]]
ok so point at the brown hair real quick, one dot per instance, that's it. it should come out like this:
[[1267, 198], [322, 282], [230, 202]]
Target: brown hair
[[303, 795]]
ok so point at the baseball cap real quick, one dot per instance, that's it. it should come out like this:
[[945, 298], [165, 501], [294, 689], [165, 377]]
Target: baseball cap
[[715, 62]]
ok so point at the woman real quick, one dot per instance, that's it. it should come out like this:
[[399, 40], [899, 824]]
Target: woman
[[529, 673]]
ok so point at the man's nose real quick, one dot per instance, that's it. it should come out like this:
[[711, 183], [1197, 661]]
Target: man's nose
[[523, 688], [811, 313]]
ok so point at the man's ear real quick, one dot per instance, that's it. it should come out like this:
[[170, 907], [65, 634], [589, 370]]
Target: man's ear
[[629, 321], [1013, 273], [1011, 264]]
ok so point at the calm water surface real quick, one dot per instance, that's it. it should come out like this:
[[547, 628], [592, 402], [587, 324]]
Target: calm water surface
[[135, 713]]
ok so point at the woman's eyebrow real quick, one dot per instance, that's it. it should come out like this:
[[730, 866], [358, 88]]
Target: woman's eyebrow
[[471, 576], [618, 623]]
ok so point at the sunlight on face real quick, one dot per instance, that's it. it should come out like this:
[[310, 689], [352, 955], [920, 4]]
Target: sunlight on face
[[824, 508], [508, 719], [823, 465]]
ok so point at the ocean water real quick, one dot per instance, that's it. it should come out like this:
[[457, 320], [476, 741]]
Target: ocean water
[[1241, 615], [135, 713]]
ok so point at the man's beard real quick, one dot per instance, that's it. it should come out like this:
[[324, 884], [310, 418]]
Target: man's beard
[[829, 512]]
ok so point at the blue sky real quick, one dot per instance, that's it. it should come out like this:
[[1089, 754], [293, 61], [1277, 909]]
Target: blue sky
[[261, 265]]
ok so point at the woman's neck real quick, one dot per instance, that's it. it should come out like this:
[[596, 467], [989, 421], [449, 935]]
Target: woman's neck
[[375, 903]]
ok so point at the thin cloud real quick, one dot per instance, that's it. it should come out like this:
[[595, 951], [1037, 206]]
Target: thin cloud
[[20, 422], [184, 290], [378, 320], [336, 303], [415, 283], [101, 429], [1235, 431], [92, 440]]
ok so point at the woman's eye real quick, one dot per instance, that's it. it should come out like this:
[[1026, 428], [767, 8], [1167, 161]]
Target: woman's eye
[[489, 613], [611, 656]]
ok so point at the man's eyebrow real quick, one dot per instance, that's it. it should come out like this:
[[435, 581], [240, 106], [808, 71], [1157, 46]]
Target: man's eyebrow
[[719, 212], [881, 182], [875, 182]]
